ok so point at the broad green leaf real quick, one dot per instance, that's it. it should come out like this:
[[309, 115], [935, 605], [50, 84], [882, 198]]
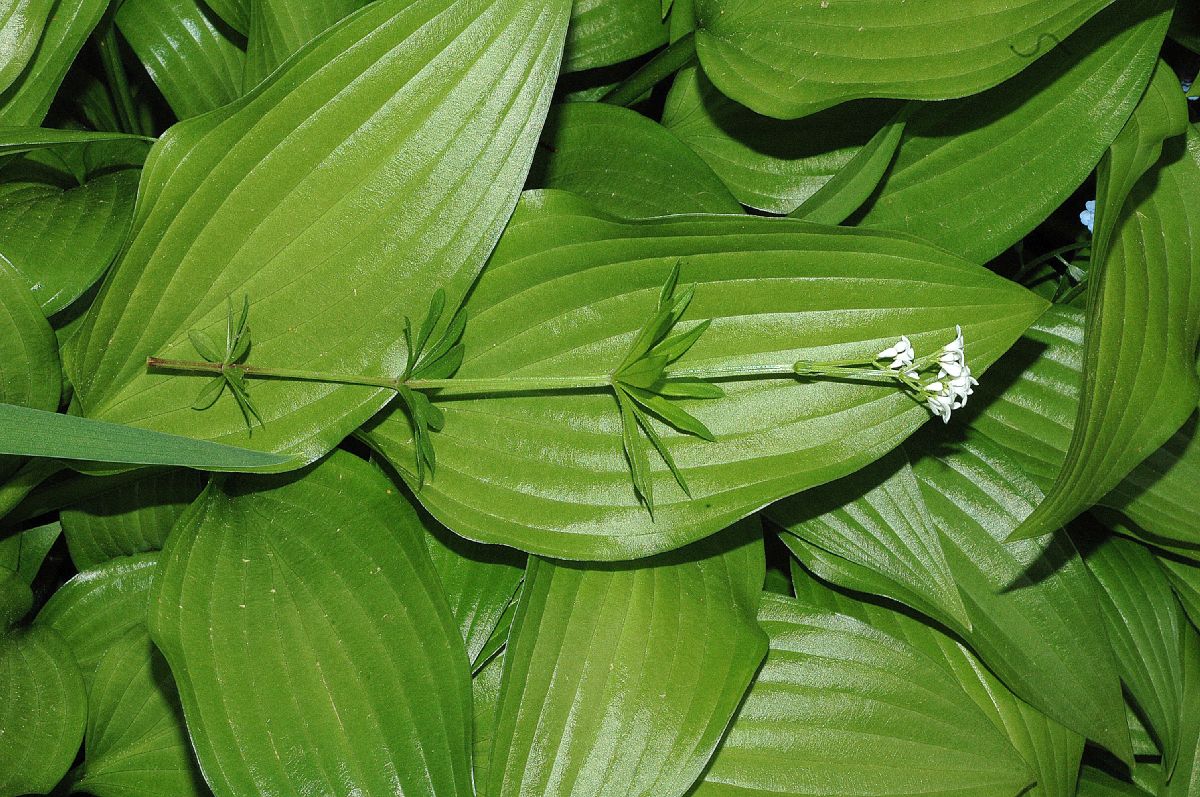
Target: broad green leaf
[[15, 490], [768, 164], [1144, 294], [42, 714], [1050, 749], [871, 532], [620, 679], [419, 121], [789, 58], [1185, 580], [278, 28], [1184, 781], [62, 240], [485, 698], [136, 744], [1157, 495], [68, 25], [24, 551], [566, 293], [190, 57], [301, 613], [21, 26], [17, 139], [480, 582], [953, 180], [16, 598], [625, 164], [99, 606], [1097, 783], [38, 433], [842, 708], [1146, 630], [129, 519], [234, 13], [1033, 603], [605, 32]]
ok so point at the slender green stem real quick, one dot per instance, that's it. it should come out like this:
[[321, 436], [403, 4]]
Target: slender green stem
[[263, 372], [732, 371], [118, 83], [513, 384], [669, 61]]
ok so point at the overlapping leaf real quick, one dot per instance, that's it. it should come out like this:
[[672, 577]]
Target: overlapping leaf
[[659, 175], [788, 58], [565, 294], [842, 708], [621, 679], [189, 56], [302, 614], [605, 32], [278, 28], [953, 180], [388, 195], [1143, 321], [21, 26]]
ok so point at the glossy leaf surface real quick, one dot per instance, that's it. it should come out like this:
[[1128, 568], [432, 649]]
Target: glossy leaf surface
[[565, 294], [605, 32]]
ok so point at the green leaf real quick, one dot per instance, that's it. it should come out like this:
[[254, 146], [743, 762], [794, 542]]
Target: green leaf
[[953, 182], [1157, 494], [62, 240], [620, 679], [1144, 293], [302, 613], [479, 581], [391, 160], [1146, 628], [234, 13], [1052, 751], [68, 25], [130, 518], [21, 26], [1096, 783], [605, 32], [568, 291], [871, 532], [841, 708], [1032, 604], [485, 698], [136, 742], [15, 139], [1185, 581], [43, 712], [625, 164], [188, 55], [789, 58], [854, 183], [16, 598], [670, 413], [1185, 780], [99, 606], [768, 164], [23, 552], [278, 28], [635, 451], [30, 432]]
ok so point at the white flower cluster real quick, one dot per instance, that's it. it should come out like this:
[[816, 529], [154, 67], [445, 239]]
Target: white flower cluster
[[947, 391]]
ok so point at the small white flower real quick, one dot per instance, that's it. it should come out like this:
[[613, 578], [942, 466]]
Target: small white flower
[[960, 387], [901, 354], [940, 406], [1088, 215]]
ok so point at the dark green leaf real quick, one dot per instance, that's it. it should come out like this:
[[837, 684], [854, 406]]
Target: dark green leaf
[[18, 139], [605, 32]]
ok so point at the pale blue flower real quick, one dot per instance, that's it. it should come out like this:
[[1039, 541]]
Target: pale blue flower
[[1187, 88], [1088, 215]]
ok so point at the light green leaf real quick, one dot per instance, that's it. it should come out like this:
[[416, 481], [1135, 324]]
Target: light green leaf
[[841, 708], [24, 551], [1185, 580], [278, 28], [1157, 494], [62, 240], [953, 180], [605, 32], [1032, 604], [99, 606], [620, 679], [21, 26], [42, 714], [768, 164], [16, 139], [68, 25], [485, 698], [789, 58], [1096, 783], [136, 742], [567, 292], [302, 613], [234, 13], [130, 518], [871, 532], [1145, 629], [1144, 293], [480, 582], [625, 164], [414, 149], [30, 432], [189, 56], [1052, 751]]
